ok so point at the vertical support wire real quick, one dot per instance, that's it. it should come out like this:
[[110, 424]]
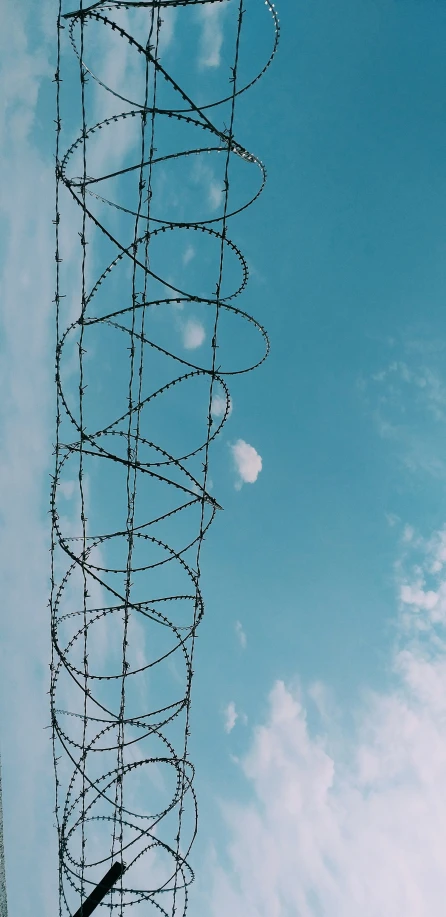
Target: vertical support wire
[[83, 80], [53, 509]]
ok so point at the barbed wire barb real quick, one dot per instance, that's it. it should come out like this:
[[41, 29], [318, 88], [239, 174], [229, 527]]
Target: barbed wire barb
[[131, 495]]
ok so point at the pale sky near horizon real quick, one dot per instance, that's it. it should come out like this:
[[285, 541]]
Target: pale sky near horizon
[[319, 714]]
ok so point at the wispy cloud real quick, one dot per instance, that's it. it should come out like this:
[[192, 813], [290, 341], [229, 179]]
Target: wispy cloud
[[241, 636], [423, 589], [215, 194], [231, 717], [167, 32], [203, 174], [408, 533], [211, 42], [188, 255], [26, 416], [27, 289], [427, 386], [345, 823], [407, 400], [120, 66], [193, 334], [219, 404], [247, 461]]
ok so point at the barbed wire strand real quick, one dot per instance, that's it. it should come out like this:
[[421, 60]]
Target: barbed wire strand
[[93, 800], [53, 508]]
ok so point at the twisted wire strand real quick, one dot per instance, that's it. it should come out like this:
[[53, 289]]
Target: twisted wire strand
[[126, 602], [53, 574]]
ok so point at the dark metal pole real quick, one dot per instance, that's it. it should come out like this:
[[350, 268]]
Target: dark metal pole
[[101, 890], [3, 901]]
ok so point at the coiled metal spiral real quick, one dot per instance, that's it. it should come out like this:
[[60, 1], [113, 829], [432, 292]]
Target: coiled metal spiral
[[131, 498]]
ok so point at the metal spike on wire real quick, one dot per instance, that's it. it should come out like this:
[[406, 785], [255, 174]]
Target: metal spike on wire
[[131, 499]]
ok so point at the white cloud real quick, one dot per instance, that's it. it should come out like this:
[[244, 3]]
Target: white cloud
[[231, 717], [437, 552], [348, 823], [167, 30], [215, 194], [67, 488], [219, 403], [193, 334], [326, 837], [416, 595], [188, 255], [27, 420], [211, 19], [247, 461], [204, 175], [241, 636], [26, 292], [120, 68], [423, 591], [408, 403]]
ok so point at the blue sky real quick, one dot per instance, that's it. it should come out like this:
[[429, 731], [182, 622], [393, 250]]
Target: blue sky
[[318, 728]]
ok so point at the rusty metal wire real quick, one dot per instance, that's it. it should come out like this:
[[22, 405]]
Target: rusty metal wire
[[126, 600]]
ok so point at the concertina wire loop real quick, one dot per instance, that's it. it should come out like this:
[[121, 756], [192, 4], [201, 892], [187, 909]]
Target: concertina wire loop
[[102, 738]]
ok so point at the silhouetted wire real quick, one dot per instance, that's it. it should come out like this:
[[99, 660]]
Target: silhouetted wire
[[53, 506], [133, 836], [82, 77]]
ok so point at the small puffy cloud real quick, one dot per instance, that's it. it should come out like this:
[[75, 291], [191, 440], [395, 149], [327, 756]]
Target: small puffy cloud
[[247, 461], [241, 636], [231, 717], [414, 594], [408, 533], [188, 255], [193, 334], [219, 404]]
